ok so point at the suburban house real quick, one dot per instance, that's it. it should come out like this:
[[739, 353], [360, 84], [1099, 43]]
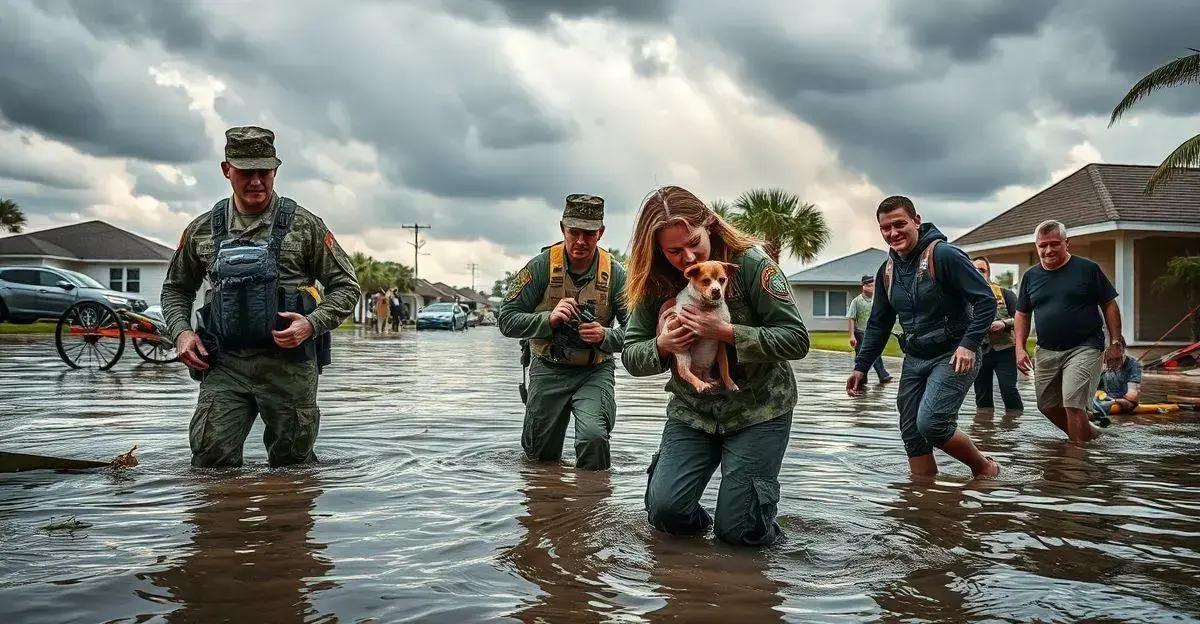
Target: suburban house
[[1111, 220], [117, 258], [824, 292]]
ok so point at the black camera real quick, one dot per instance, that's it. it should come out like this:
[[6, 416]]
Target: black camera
[[566, 337]]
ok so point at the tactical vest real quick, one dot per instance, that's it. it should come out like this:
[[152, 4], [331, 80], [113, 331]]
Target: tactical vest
[[937, 326], [1004, 339], [245, 276], [595, 292]]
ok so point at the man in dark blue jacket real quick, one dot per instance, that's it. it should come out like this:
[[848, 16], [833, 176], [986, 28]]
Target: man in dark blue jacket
[[945, 308]]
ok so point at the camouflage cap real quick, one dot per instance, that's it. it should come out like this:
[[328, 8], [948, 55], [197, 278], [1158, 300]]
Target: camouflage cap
[[585, 212], [250, 147]]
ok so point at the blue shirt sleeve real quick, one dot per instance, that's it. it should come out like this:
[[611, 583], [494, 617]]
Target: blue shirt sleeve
[[1023, 303], [1102, 287]]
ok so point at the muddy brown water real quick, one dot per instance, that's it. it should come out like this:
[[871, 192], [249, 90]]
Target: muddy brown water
[[422, 509]]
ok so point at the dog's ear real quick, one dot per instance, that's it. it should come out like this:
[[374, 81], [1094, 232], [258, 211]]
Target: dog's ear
[[691, 271]]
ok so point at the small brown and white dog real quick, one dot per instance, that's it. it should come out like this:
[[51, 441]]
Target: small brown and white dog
[[705, 293]]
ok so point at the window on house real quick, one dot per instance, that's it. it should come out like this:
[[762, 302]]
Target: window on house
[[829, 303], [123, 279]]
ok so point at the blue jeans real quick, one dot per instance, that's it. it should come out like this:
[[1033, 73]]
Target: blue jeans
[[748, 500], [878, 364], [929, 397]]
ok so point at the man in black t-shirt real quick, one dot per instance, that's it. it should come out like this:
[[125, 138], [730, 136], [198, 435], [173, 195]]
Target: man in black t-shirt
[[1066, 294]]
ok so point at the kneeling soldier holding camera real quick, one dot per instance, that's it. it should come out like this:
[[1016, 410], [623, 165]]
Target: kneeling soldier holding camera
[[263, 334], [562, 306]]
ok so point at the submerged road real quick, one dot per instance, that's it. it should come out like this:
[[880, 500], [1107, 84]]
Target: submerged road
[[422, 508]]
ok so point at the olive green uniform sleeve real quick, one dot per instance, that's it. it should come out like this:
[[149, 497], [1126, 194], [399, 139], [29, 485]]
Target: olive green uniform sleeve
[[332, 268], [518, 318], [185, 274], [614, 337], [639, 354], [781, 334]]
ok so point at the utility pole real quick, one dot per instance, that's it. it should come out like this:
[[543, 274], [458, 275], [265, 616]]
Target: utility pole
[[417, 244], [474, 268]]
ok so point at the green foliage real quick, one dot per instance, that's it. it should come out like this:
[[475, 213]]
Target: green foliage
[[11, 217], [1183, 276], [376, 275], [617, 255], [500, 286], [1181, 71], [788, 226]]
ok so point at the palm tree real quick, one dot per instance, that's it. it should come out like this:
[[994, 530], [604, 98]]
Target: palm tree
[[1183, 276], [1184, 70], [11, 217], [781, 219]]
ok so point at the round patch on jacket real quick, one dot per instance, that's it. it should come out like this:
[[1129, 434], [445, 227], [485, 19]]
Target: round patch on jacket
[[776, 284], [518, 283]]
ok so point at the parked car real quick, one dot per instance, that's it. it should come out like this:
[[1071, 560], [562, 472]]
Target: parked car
[[442, 316], [29, 293], [473, 318]]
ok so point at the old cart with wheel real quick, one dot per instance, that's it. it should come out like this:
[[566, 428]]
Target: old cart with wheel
[[92, 335]]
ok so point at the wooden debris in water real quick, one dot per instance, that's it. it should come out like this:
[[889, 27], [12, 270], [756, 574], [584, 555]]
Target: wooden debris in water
[[70, 524], [125, 460]]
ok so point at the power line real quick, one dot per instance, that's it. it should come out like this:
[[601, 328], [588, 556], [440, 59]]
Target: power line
[[417, 244], [474, 268]]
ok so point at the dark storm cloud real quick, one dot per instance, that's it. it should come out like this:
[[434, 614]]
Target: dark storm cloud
[[536, 12], [65, 86], [967, 28], [178, 24]]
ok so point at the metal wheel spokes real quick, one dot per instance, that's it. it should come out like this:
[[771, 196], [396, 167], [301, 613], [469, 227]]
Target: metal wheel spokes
[[157, 352], [90, 335]]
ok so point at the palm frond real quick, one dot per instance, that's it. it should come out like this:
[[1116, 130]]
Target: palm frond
[[1185, 156], [1183, 70]]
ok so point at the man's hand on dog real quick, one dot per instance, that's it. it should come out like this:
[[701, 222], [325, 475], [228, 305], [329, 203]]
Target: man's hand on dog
[[566, 310], [591, 333]]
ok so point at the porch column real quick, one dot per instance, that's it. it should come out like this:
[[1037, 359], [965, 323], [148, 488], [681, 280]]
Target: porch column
[[1123, 262]]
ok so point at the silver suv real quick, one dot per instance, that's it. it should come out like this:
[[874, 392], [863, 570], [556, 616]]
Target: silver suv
[[28, 293]]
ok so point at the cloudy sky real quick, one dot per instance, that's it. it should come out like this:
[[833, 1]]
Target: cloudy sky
[[479, 116]]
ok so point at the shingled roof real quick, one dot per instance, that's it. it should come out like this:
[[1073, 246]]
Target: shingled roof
[[845, 270], [1098, 193], [91, 240]]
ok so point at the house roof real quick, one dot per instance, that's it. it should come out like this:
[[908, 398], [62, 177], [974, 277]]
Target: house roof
[[1098, 193], [425, 289], [845, 270], [470, 295], [91, 240]]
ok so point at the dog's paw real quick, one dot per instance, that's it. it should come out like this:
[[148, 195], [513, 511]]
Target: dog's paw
[[732, 387], [706, 388]]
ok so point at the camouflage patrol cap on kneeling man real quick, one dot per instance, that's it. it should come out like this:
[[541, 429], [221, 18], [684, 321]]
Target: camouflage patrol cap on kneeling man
[[585, 212], [251, 147]]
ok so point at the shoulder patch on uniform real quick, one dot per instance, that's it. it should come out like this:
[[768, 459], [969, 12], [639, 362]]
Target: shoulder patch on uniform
[[518, 283], [329, 239], [776, 284]]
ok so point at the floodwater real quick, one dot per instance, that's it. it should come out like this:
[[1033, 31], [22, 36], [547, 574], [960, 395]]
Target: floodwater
[[423, 509]]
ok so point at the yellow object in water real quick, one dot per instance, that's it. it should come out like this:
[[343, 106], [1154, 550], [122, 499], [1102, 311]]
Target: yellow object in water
[[1148, 408]]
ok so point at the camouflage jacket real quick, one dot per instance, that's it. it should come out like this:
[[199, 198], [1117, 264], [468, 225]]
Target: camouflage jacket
[[309, 254], [518, 316], [767, 332]]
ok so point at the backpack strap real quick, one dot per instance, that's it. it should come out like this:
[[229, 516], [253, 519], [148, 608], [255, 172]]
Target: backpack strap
[[283, 221], [928, 266], [219, 223]]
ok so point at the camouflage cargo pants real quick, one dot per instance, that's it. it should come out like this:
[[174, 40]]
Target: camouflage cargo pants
[[236, 390], [748, 501], [557, 391]]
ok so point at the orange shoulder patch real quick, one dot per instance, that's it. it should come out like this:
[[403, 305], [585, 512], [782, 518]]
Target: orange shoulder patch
[[329, 239]]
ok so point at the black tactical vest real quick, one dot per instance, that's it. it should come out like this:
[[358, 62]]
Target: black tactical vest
[[245, 277]]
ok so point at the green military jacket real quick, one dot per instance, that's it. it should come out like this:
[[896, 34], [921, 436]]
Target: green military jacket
[[767, 332], [308, 254], [518, 316]]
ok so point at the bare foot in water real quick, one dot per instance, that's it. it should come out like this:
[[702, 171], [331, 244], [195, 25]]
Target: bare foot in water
[[991, 471]]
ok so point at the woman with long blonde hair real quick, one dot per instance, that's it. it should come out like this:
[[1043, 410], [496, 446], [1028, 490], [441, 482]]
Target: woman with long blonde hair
[[746, 431]]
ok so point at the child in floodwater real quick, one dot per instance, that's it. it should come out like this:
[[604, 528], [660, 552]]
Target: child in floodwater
[[744, 432]]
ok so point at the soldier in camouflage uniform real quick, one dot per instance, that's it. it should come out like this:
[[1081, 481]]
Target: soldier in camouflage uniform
[[744, 432], [238, 384], [548, 305]]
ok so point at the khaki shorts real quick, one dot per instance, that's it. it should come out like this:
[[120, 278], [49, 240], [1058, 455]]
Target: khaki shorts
[[1066, 378]]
